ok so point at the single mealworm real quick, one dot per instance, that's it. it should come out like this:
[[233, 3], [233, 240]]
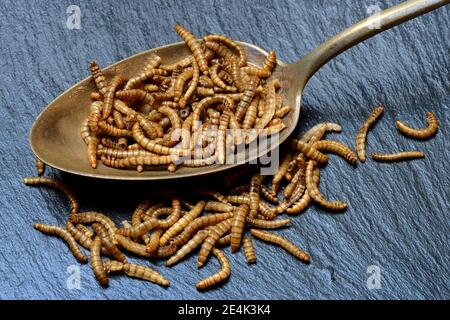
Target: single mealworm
[[66, 236], [217, 206], [118, 119], [102, 233], [270, 62], [314, 192], [99, 78], [251, 114], [261, 104], [222, 51], [145, 273], [361, 136], [192, 86], [255, 189], [249, 250], [85, 131], [112, 266], [206, 81], [237, 226], [298, 177], [282, 169], [282, 242], [399, 156], [53, 183], [40, 166], [256, 72], [318, 131], [111, 130], [182, 223], [109, 94], [150, 88], [173, 116], [218, 277], [280, 113], [91, 217], [116, 153], [269, 108], [224, 241], [190, 246], [179, 83], [338, 148], [268, 195], [96, 96], [309, 151], [215, 232], [221, 136], [230, 43], [152, 241], [249, 93], [194, 46], [132, 246], [79, 236], [214, 73], [206, 102], [140, 78], [424, 133], [97, 264], [268, 224], [87, 232], [133, 96]]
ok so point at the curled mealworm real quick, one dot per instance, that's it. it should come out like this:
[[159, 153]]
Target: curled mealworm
[[91, 217], [187, 248], [297, 178], [337, 148], [66, 236], [255, 189], [194, 46], [52, 183], [399, 156], [237, 226], [424, 133], [265, 224], [217, 80], [102, 233], [361, 136], [270, 62], [218, 277], [282, 242], [268, 195], [222, 51], [230, 43], [249, 250], [86, 231], [97, 264], [309, 151], [99, 78], [145, 273], [79, 236], [215, 232], [140, 78], [109, 94]]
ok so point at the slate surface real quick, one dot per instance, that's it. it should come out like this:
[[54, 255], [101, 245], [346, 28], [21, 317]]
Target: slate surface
[[398, 213]]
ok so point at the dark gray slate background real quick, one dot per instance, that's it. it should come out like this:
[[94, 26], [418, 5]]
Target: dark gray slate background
[[398, 214]]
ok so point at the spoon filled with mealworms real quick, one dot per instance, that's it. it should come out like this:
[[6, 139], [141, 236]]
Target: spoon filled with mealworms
[[189, 108]]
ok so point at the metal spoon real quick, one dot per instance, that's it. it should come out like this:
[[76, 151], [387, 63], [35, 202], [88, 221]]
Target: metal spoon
[[55, 135]]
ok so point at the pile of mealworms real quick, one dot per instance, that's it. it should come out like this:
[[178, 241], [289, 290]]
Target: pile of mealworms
[[192, 112], [171, 226]]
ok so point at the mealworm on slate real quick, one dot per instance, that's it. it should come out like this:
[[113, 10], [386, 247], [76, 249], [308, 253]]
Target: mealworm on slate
[[215, 232], [282, 242], [319, 130], [145, 273], [194, 46], [97, 264], [218, 206], [85, 230], [152, 241], [270, 62], [309, 151], [91, 217], [66, 236], [268, 224], [102, 233], [278, 176], [237, 226], [190, 246], [224, 241], [361, 136], [338, 148], [218, 277], [79, 236], [249, 250], [399, 156], [268, 195], [255, 189], [424, 133], [112, 266]]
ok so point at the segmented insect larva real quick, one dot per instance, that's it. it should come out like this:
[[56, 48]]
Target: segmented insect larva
[[266, 210], [399, 156], [217, 206], [270, 62], [79, 236], [268, 224], [85, 131], [309, 151], [424, 133], [182, 223], [53, 183], [269, 107], [40, 166], [249, 250], [214, 73], [338, 148], [96, 108], [145, 273], [111, 130], [102, 233], [140, 78], [179, 83], [116, 153], [361, 136], [318, 131], [152, 241], [221, 136], [99, 78], [237, 226], [92, 151], [86, 231], [109, 94], [112, 266], [97, 264], [261, 105], [299, 177], [66, 236], [206, 102], [314, 192], [205, 92], [91, 217], [174, 215], [230, 43], [222, 51], [152, 129], [280, 113], [224, 241], [187, 248], [153, 62], [150, 88], [96, 96], [225, 77], [138, 213], [278, 176], [194, 46], [118, 119], [251, 114], [140, 229], [256, 72], [268, 195], [135, 95], [206, 81], [218, 277], [183, 63], [215, 232], [198, 224], [282, 242], [244, 103], [132, 246], [255, 189]]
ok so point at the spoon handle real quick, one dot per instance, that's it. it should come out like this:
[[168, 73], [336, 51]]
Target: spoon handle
[[362, 30]]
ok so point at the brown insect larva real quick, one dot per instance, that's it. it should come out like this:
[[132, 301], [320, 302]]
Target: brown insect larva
[[194, 46], [314, 192], [268, 224], [112, 266], [99, 78], [399, 156], [102, 233], [66, 236], [249, 250], [269, 108], [222, 51], [135, 95], [280, 113], [224, 241], [96, 96], [92, 151], [109, 94], [230, 43], [145, 273], [94, 116], [86, 231], [187, 248], [179, 83], [153, 62], [40, 166], [174, 215], [256, 72], [251, 114], [424, 133], [152, 241], [338, 148], [91, 217], [249, 93], [318, 131], [150, 88], [140, 78], [255, 189], [237, 226], [361, 136], [261, 105], [173, 116], [268, 195], [282, 242], [118, 119], [225, 77], [97, 264], [111, 130], [79, 236], [217, 206], [270, 62], [205, 92], [309, 151], [206, 81], [220, 276], [133, 247], [221, 136], [276, 179], [215, 232], [217, 80], [85, 131], [52, 183], [140, 229], [298, 177], [206, 102], [182, 223]]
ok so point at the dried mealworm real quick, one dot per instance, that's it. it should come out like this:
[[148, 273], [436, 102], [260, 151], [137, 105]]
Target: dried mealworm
[[424, 133], [97, 264], [145, 273], [111, 130], [256, 72], [249, 250], [269, 108], [221, 136], [66, 236], [85, 130], [135, 95], [102, 233], [218, 277], [99, 78], [280, 113], [249, 93], [182, 223], [268, 224], [40, 166], [140, 78], [230, 43], [251, 114], [255, 189], [179, 83], [52, 183], [298, 177], [309, 151], [187, 248], [194, 46], [206, 102], [282, 242], [215, 232], [314, 192], [214, 72], [399, 156], [338, 148], [270, 62], [361, 136], [109, 95], [237, 226], [173, 116]]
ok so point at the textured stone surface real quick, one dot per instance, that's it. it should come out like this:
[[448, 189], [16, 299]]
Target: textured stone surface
[[398, 214]]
